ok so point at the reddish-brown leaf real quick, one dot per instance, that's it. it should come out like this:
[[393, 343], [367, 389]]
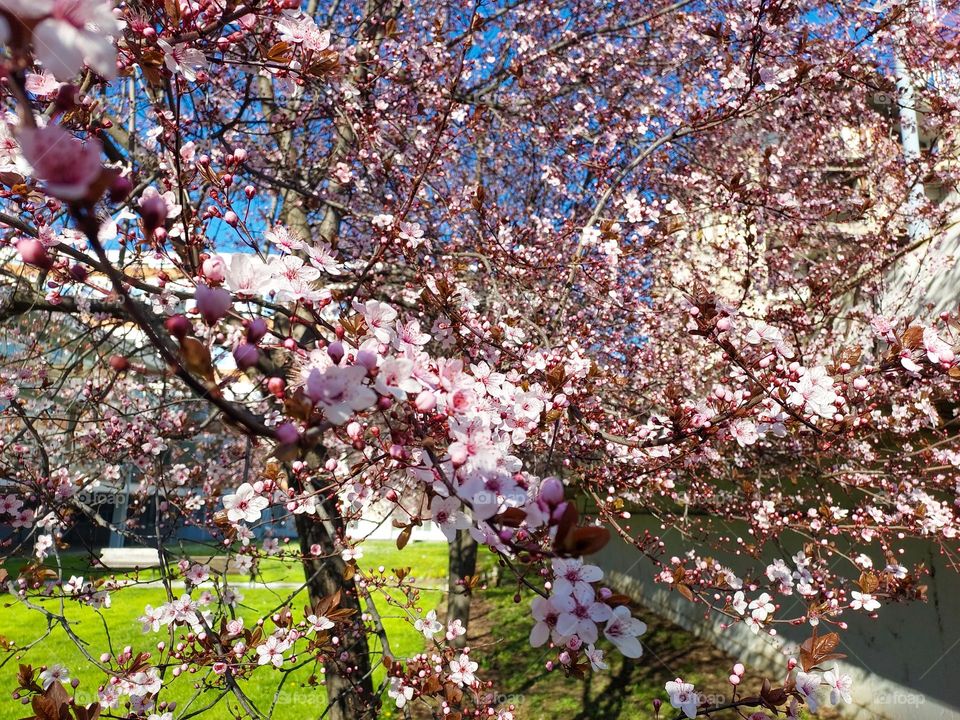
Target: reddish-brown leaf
[[404, 537]]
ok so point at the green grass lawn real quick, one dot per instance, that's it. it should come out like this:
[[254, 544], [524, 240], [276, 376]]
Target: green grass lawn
[[428, 559], [500, 629], [24, 626], [499, 632]]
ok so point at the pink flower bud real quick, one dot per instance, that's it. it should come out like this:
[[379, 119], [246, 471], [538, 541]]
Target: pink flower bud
[[246, 355], [426, 401], [734, 679], [250, 191], [276, 386], [335, 351], [256, 330], [458, 453], [231, 219], [120, 188], [212, 303], [214, 269], [739, 669], [178, 326], [32, 252], [239, 154], [287, 434], [861, 383], [153, 210], [78, 272], [551, 490]]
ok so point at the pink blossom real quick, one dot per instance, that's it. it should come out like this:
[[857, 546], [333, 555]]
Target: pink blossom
[[182, 59], [840, 686], [580, 612], [245, 505], [808, 685], [396, 378], [71, 34], [462, 670], [571, 574], [682, 697], [623, 630], [271, 651], [67, 165], [340, 392], [42, 84]]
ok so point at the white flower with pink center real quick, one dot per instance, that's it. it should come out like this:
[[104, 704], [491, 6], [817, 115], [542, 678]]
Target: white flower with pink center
[[245, 505]]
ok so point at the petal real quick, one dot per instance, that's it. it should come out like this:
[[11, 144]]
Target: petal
[[539, 634], [55, 46]]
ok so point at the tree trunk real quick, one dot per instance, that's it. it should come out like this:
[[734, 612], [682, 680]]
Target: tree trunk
[[348, 679], [462, 564]]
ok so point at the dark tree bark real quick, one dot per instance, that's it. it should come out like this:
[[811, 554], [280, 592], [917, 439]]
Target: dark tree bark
[[349, 681], [462, 564]]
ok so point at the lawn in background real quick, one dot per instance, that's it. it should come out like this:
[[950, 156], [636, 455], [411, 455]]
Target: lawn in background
[[499, 632], [24, 626]]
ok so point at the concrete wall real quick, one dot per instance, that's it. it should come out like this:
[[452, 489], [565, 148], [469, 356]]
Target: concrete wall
[[905, 665]]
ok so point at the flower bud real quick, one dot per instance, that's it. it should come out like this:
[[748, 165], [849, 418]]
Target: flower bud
[[231, 219], [153, 211], [287, 434], [120, 188], [212, 303], [256, 330], [214, 269], [178, 326], [32, 252], [78, 272], [276, 385], [335, 351], [246, 355], [426, 401], [119, 363], [551, 490]]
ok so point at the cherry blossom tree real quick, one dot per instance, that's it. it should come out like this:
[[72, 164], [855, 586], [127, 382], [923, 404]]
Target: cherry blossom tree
[[526, 269]]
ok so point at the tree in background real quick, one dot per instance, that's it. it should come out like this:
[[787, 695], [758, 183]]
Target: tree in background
[[522, 269]]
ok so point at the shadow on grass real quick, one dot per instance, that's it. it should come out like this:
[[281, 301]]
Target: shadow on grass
[[624, 691]]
